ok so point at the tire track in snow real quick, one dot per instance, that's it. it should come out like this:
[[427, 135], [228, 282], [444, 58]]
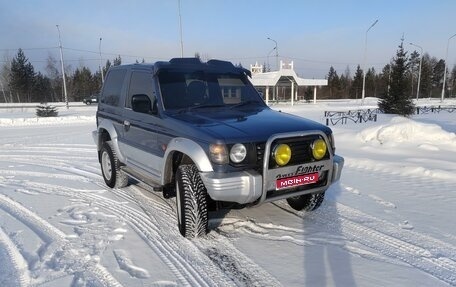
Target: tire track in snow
[[230, 262], [57, 244], [168, 248], [420, 251], [56, 157], [171, 252], [16, 270]]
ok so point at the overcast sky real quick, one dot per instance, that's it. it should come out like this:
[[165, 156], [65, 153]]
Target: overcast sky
[[315, 34]]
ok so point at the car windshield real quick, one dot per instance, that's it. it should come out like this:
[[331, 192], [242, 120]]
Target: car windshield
[[185, 91]]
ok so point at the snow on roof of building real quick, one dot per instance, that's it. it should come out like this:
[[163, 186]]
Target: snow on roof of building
[[286, 70]]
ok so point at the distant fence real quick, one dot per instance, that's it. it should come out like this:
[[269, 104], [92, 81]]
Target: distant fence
[[355, 116], [367, 115], [33, 105], [434, 109]]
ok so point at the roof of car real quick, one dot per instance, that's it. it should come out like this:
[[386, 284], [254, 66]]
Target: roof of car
[[187, 64]]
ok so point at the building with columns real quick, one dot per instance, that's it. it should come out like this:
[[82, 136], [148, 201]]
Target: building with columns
[[283, 85]]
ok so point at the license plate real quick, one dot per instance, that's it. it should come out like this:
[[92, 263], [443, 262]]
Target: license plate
[[296, 180]]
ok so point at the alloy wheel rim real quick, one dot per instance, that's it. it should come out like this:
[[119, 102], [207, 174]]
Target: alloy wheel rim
[[107, 167]]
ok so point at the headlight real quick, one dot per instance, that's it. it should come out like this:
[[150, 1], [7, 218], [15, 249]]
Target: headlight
[[218, 153], [319, 149], [238, 153], [282, 154]]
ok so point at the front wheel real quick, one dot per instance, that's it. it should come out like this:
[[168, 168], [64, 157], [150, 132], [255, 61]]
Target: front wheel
[[306, 202], [110, 167], [191, 199]]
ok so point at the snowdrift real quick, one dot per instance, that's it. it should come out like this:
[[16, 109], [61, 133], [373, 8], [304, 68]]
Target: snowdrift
[[402, 130]]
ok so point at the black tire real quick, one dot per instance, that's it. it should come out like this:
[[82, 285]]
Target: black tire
[[306, 202], [191, 200], [110, 167]]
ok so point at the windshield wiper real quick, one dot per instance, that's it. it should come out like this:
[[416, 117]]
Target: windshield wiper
[[249, 102], [184, 110]]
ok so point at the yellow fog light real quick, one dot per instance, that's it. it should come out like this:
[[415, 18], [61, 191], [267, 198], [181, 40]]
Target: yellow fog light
[[318, 149], [282, 154]]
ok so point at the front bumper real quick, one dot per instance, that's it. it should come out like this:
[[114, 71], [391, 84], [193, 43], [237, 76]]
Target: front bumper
[[249, 186]]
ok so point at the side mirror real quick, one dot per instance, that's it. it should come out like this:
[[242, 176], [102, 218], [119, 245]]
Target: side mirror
[[141, 104]]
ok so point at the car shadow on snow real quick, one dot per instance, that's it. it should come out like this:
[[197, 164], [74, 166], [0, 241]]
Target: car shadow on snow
[[327, 262]]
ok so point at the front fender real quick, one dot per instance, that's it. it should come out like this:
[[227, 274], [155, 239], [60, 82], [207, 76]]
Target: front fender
[[191, 149]]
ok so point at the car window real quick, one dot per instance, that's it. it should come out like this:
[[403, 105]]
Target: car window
[[113, 86], [187, 89], [140, 84]]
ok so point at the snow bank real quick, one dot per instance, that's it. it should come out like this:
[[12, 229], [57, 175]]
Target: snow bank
[[403, 130], [9, 122]]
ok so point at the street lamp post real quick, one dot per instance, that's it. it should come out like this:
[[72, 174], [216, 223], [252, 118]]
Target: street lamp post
[[63, 70], [444, 71], [101, 63], [180, 29], [419, 73], [269, 54], [364, 68], [277, 52]]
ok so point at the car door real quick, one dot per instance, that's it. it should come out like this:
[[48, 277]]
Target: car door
[[140, 140]]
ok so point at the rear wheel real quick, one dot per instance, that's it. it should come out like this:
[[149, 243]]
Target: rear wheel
[[110, 167], [306, 202], [191, 199]]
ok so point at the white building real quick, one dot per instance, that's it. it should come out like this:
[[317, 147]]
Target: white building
[[282, 84]]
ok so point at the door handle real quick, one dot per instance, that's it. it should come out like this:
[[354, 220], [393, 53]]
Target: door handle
[[126, 125]]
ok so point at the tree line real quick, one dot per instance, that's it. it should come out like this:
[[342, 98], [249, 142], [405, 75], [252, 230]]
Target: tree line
[[376, 83], [19, 82]]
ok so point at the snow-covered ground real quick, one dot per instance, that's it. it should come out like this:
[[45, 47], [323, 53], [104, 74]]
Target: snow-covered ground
[[388, 222]]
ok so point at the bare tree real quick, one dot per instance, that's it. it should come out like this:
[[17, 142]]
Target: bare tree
[[4, 76], [53, 73]]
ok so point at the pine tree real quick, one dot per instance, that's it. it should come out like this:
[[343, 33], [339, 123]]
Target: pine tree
[[42, 89], [45, 110], [357, 85], [426, 76], [452, 82], [82, 84], [397, 100], [414, 69], [117, 61], [333, 83], [21, 77], [308, 94], [437, 77], [371, 88]]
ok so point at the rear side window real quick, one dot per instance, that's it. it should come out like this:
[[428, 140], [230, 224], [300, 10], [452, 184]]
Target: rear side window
[[140, 84], [113, 87]]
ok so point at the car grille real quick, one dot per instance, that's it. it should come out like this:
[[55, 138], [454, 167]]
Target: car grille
[[301, 151], [260, 147]]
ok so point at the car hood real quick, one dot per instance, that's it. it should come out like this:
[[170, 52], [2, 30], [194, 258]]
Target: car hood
[[247, 125]]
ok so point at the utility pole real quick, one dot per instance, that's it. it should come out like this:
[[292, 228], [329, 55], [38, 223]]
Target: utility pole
[[364, 68], [277, 53], [101, 63], [444, 71], [180, 28], [63, 70], [419, 73]]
